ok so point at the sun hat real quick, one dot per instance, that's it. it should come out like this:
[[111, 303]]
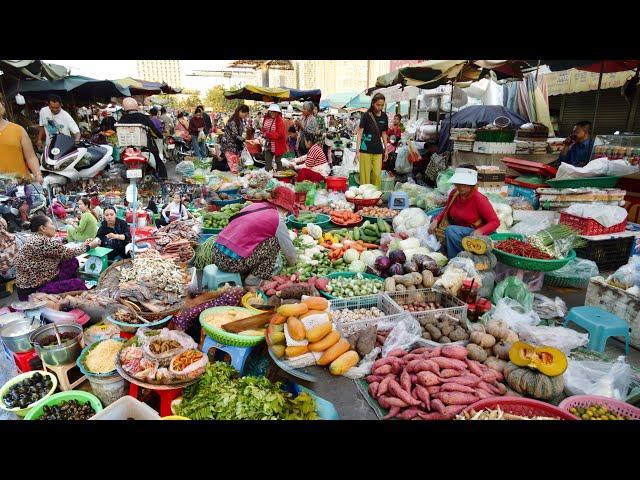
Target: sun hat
[[464, 176], [274, 107], [284, 198]]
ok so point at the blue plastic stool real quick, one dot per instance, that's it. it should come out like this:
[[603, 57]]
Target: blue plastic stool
[[238, 355], [600, 324], [213, 277], [398, 200]]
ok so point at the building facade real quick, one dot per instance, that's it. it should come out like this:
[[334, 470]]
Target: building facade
[[336, 76], [168, 71]]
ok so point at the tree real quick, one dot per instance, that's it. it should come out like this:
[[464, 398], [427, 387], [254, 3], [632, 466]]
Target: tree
[[215, 99], [187, 100]]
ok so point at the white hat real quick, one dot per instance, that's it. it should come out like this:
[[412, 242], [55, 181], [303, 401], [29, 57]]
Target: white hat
[[464, 176], [274, 107]]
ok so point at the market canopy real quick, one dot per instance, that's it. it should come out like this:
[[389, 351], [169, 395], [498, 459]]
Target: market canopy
[[337, 100], [268, 94], [145, 87], [594, 66], [76, 86], [33, 69]]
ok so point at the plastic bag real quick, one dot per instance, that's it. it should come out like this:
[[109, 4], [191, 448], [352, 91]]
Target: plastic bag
[[443, 181], [164, 358], [191, 371], [512, 313], [427, 239], [627, 275], [514, 288], [598, 378], [600, 167], [564, 339], [405, 334], [402, 160], [246, 158], [488, 282], [606, 215], [321, 198], [365, 365], [531, 225], [467, 266], [548, 308], [185, 168], [578, 268]]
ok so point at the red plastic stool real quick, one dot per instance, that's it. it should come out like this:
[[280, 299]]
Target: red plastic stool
[[27, 361], [166, 397]]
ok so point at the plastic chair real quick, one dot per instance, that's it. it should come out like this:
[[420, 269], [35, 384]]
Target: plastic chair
[[213, 277], [239, 355], [600, 324], [398, 200]]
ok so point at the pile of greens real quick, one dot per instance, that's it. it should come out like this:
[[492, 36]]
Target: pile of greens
[[221, 394]]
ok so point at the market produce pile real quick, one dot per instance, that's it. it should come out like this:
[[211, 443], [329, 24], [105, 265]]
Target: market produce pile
[[221, 218], [68, 410], [28, 391], [597, 412], [355, 286], [222, 394], [102, 357], [497, 414], [176, 230]]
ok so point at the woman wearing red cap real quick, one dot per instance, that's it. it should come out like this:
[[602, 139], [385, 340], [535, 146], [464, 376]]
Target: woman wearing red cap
[[252, 240]]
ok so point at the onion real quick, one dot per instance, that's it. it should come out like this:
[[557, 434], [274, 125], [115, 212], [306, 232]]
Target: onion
[[397, 256], [382, 263], [396, 269]]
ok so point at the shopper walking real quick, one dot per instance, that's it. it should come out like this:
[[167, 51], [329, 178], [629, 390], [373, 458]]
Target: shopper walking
[[167, 122], [371, 143], [196, 128], [16, 150], [233, 141], [306, 124], [273, 130]]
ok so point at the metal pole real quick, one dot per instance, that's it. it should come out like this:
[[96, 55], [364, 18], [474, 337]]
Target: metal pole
[[595, 112], [450, 148], [537, 69], [134, 207]]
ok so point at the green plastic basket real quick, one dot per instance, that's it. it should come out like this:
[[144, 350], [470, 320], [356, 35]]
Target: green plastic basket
[[348, 275], [600, 182], [564, 282], [225, 337], [211, 231], [83, 397], [527, 263], [322, 220], [80, 362]]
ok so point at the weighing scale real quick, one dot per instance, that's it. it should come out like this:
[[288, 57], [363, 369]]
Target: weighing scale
[[97, 261]]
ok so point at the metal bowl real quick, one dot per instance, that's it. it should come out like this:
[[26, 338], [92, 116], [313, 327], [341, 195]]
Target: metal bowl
[[18, 343], [56, 354]]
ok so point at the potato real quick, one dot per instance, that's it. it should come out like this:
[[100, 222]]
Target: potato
[[426, 335], [458, 335], [434, 332], [444, 339], [446, 328]]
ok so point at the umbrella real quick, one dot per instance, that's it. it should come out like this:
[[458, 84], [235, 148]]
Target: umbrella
[[337, 100], [79, 87], [266, 94], [359, 101], [145, 87]]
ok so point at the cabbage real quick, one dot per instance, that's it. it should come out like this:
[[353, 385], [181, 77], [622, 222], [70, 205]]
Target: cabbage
[[351, 255], [315, 231], [440, 259], [409, 244], [357, 265], [369, 257], [307, 240], [418, 250]]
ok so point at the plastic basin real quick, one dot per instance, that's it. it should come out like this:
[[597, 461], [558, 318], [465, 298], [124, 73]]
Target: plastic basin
[[225, 337], [125, 408], [21, 412], [83, 397], [322, 220], [616, 406]]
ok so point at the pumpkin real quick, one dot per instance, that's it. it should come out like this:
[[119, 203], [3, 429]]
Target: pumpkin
[[532, 383], [548, 360], [478, 244], [501, 350], [482, 263]]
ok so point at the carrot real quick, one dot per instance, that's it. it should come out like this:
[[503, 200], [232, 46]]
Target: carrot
[[370, 245]]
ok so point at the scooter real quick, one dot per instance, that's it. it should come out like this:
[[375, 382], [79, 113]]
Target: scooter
[[178, 148], [11, 204], [64, 160]]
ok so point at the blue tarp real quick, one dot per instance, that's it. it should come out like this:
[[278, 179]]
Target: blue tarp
[[82, 88], [476, 116]]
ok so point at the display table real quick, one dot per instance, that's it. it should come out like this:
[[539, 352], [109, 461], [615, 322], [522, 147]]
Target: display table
[[460, 157]]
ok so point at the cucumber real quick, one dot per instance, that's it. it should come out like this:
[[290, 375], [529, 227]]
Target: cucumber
[[369, 239], [356, 234], [383, 226], [366, 224], [371, 232]]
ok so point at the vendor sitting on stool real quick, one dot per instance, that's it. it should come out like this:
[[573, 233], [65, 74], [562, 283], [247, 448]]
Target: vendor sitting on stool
[[114, 233], [252, 240], [467, 211], [46, 265], [314, 165]]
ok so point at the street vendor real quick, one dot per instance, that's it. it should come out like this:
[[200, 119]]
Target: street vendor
[[175, 210], [250, 243], [314, 165], [88, 225], [114, 233], [46, 265], [467, 211], [577, 147]]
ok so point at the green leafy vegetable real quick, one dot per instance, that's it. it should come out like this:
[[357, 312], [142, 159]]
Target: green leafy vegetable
[[221, 394]]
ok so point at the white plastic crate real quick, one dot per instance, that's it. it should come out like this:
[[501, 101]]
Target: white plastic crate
[[134, 135], [125, 408], [452, 306], [392, 312]]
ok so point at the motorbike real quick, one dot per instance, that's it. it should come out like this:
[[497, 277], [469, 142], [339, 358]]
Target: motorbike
[[64, 160], [178, 148], [31, 199]]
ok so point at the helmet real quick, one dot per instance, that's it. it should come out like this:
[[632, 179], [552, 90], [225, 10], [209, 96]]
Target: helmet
[[130, 104]]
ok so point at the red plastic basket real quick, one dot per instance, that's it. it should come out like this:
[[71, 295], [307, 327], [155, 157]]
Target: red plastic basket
[[616, 406], [588, 226], [361, 202], [337, 183], [525, 407]]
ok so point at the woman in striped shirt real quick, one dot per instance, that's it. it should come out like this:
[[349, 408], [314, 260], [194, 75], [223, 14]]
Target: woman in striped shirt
[[315, 167], [273, 130]]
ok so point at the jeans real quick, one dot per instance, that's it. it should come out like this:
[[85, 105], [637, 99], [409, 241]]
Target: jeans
[[198, 147], [453, 237]]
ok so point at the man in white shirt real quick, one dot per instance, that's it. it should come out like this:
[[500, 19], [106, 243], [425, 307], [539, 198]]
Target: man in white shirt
[[53, 120]]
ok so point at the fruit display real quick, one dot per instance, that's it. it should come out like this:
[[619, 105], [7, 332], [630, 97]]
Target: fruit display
[[371, 232], [68, 410], [597, 411], [356, 286], [431, 383], [378, 212], [28, 391], [304, 335]]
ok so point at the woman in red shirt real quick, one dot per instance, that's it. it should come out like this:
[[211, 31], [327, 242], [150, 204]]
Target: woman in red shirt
[[467, 210], [273, 130], [315, 167]]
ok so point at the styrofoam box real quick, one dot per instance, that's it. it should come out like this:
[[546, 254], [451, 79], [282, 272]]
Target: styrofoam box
[[127, 407]]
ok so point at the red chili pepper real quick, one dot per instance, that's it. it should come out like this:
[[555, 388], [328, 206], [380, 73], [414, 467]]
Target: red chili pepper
[[522, 249]]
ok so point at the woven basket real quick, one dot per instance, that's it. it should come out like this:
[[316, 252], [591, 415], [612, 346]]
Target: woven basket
[[525, 263], [225, 337], [616, 406], [524, 407]]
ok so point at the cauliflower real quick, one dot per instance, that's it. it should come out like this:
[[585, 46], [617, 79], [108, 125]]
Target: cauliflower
[[315, 231], [307, 240]]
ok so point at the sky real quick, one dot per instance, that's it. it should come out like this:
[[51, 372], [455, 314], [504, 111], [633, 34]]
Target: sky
[[113, 69]]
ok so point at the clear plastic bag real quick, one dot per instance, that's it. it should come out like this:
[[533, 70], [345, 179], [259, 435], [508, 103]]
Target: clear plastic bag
[[627, 275], [516, 289], [564, 339], [578, 268], [512, 313], [548, 308], [364, 367], [405, 334], [531, 225], [246, 158], [427, 239], [190, 372], [598, 378], [164, 358], [443, 181], [403, 165], [488, 282], [321, 198]]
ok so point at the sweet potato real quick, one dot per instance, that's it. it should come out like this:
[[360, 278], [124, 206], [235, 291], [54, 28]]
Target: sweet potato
[[482, 394], [414, 378], [455, 387], [432, 416], [474, 367], [436, 352], [452, 410], [397, 352], [383, 370], [396, 402], [411, 356], [373, 389], [386, 361], [427, 379], [457, 398], [421, 365], [502, 388], [423, 395], [455, 351], [444, 362], [490, 376], [414, 393], [438, 406], [449, 372], [384, 386], [409, 413], [383, 402], [373, 378], [403, 395], [466, 379], [405, 381], [491, 388], [433, 389], [420, 350], [393, 411]]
